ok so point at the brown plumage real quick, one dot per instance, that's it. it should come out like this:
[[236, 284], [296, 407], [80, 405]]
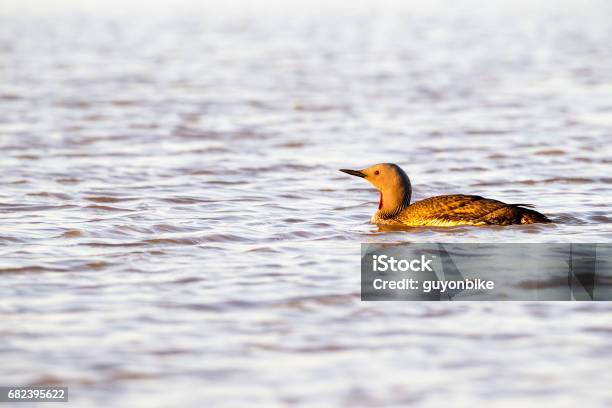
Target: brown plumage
[[446, 210], [460, 209]]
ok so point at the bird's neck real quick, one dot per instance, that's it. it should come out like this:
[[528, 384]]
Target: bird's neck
[[393, 201]]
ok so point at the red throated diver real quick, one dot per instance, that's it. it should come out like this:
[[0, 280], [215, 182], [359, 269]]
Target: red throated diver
[[441, 211]]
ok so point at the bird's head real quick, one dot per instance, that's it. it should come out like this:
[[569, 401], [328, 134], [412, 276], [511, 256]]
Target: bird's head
[[390, 180]]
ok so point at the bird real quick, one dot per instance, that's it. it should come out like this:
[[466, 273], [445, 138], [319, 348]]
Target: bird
[[395, 208]]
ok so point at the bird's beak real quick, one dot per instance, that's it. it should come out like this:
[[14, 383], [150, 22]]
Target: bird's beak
[[353, 172]]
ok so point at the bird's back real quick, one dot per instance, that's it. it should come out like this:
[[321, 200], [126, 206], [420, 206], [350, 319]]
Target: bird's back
[[460, 209]]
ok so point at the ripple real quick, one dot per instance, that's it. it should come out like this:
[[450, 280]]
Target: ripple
[[106, 208], [226, 238], [173, 241], [132, 376], [50, 380], [68, 180], [72, 234], [550, 152], [112, 244], [264, 249], [106, 199], [186, 200], [59, 196], [325, 300], [34, 208], [30, 269]]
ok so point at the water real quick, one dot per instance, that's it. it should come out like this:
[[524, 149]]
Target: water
[[173, 227]]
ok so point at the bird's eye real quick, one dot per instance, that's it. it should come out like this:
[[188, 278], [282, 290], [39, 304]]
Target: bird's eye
[[376, 173]]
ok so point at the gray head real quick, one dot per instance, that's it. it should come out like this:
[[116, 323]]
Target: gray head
[[391, 181]]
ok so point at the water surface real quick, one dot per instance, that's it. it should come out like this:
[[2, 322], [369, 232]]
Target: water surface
[[173, 226]]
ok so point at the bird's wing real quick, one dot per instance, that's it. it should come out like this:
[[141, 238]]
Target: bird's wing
[[458, 208]]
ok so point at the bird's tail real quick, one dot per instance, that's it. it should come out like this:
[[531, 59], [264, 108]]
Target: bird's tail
[[528, 216]]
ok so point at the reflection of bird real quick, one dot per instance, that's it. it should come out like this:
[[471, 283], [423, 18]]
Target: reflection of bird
[[442, 211]]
